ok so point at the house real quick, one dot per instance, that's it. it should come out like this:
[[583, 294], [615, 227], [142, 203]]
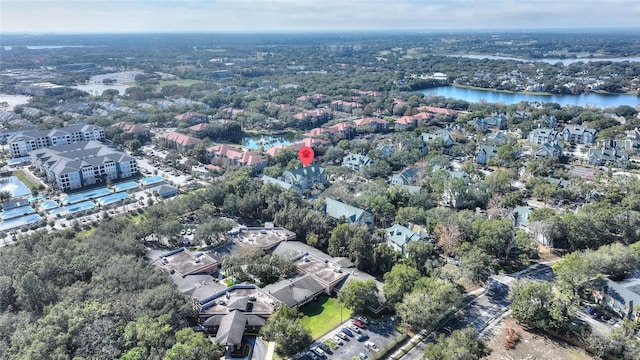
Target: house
[[559, 183], [311, 142], [314, 99], [496, 121], [452, 173], [338, 210], [357, 92], [486, 153], [137, 131], [437, 110], [443, 134], [398, 236], [356, 162], [180, 141], [608, 157], [621, 297], [497, 138], [75, 165], [199, 130], [542, 136], [346, 106], [338, 131], [316, 116], [236, 156], [286, 186], [409, 122], [520, 216], [579, 134], [550, 149], [371, 125], [192, 118], [405, 177], [21, 144], [305, 177]]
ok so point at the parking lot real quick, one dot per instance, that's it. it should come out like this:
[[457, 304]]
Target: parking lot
[[380, 333]]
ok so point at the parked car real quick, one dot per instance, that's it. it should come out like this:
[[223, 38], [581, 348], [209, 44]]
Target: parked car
[[337, 339], [312, 355], [590, 310], [363, 319], [342, 335], [325, 347], [354, 328], [359, 324], [318, 351], [347, 331], [362, 337], [363, 356], [371, 346]]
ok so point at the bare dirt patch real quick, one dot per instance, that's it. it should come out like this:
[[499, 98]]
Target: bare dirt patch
[[528, 346]]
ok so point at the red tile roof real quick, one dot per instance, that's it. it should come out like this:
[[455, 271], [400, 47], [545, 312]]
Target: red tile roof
[[233, 153], [198, 127], [368, 121], [131, 128], [181, 139], [437, 110], [189, 115]]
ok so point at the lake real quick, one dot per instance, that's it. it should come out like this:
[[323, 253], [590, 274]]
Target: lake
[[13, 100], [590, 99], [123, 80], [13, 185], [550, 61]]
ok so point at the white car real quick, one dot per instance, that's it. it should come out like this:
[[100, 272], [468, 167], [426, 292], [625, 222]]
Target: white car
[[336, 339]]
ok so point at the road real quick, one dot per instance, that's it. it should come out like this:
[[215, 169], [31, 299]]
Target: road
[[481, 310]]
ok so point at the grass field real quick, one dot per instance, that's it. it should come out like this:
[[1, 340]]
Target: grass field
[[323, 315], [25, 180]]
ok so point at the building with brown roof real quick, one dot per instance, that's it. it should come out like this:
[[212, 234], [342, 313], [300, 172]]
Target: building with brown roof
[[180, 141], [236, 156], [192, 118], [371, 125], [138, 131]]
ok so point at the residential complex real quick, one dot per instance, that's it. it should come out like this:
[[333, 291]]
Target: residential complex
[[21, 144], [73, 166]]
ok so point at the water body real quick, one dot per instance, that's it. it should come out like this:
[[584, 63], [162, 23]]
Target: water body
[[43, 47], [123, 80], [550, 61], [13, 100], [265, 142], [590, 99], [13, 185]]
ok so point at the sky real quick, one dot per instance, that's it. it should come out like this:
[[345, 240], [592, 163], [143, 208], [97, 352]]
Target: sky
[[127, 16]]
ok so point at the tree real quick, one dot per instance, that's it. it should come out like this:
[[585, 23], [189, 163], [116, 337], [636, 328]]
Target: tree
[[284, 328], [191, 345], [534, 303], [422, 256], [399, 281], [449, 237], [494, 236], [476, 265], [4, 196], [359, 295], [428, 303], [460, 345]]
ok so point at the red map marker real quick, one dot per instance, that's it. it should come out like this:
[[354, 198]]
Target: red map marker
[[305, 155]]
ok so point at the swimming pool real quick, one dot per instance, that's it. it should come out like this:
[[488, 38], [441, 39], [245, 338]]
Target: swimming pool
[[13, 185], [14, 213], [70, 209], [18, 161], [110, 199], [18, 222], [85, 195]]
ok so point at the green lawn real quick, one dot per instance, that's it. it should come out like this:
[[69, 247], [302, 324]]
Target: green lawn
[[181, 82], [25, 180], [323, 315]]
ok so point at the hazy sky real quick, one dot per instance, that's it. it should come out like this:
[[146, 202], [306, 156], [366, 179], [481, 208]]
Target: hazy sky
[[83, 16]]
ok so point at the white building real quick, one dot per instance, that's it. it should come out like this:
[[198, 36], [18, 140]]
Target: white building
[[22, 144]]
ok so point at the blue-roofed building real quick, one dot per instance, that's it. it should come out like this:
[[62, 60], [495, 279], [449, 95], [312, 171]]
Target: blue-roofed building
[[357, 162], [521, 215], [405, 177], [621, 297], [398, 236], [305, 177], [165, 191], [486, 153], [151, 180], [271, 180], [338, 210]]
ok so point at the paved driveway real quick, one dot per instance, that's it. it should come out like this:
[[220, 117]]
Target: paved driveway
[[381, 333]]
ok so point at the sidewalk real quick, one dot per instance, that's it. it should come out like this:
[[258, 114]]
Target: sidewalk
[[271, 346]]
